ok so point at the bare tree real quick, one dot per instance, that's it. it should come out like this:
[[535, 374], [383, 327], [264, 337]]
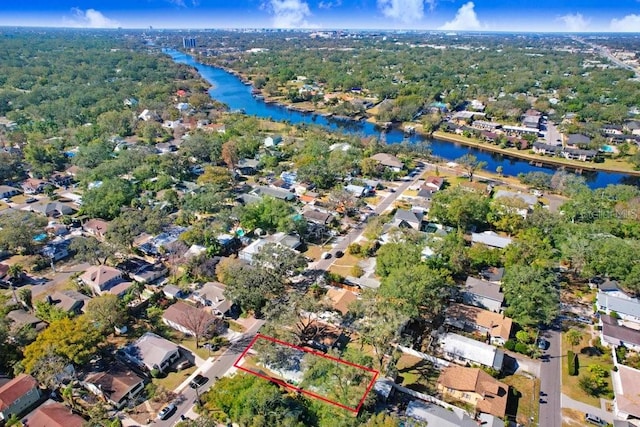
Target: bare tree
[[198, 321]]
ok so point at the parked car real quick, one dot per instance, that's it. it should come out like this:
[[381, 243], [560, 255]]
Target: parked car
[[592, 419], [184, 365], [325, 255], [339, 254], [197, 381], [543, 344], [167, 411]]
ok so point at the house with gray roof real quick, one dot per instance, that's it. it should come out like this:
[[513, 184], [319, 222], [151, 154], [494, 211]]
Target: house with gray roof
[[578, 140], [627, 308], [276, 193], [436, 415], [483, 294], [405, 218], [151, 351], [491, 239], [7, 191], [614, 334]]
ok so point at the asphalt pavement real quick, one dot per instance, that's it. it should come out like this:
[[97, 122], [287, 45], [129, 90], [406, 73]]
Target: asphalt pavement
[[550, 378]]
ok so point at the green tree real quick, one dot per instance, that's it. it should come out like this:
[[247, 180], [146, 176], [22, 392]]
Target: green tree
[[106, 312], [17, 230], [532, 294], [248, 286], [106, 200], [573, 337], [470, 164], [457, 207], [396, 256], [269, 214], [75, 340], [89, 249]]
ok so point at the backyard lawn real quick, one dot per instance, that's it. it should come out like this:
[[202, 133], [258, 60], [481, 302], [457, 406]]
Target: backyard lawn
[[417, 374], [528, 403], [587, 355]]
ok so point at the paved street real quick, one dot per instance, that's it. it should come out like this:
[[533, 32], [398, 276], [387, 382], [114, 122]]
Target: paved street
[[550, 377], [212, 368], [354, 234]]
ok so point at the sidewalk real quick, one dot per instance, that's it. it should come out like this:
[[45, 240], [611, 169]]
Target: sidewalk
[[567, 402]]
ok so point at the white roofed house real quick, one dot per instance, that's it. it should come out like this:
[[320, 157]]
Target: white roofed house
[[626, 307], [463, 350], [491, 239]]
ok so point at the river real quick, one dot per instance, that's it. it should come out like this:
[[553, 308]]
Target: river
[[229, 89]]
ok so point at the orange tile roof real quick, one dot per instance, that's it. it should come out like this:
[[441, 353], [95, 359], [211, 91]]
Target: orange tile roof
[[494, 393], [497, 324]]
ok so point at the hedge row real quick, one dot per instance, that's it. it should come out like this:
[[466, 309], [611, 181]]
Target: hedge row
[[572, 360]]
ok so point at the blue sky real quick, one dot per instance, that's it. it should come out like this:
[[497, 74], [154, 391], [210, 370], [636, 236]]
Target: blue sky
[[454, 15]]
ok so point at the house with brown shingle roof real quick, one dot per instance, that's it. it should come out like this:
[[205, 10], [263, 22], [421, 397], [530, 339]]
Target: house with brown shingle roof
[[116, 386], [101, 278], [389, 161], [18, 395], [54, 414], [475, 387], [185, 318], [96, 227], [469, 318], [341, 299]]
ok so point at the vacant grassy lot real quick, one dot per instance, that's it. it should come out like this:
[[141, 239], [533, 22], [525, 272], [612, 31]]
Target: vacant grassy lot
[[528, 402], [587, 355]]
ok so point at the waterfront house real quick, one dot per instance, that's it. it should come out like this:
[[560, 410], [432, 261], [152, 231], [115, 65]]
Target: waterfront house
[[485, 125], [579, 154], [389, 161], [546, 149], [577, 140]]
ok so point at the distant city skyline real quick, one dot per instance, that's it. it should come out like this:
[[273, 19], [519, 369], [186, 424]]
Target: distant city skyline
[[446, 15]]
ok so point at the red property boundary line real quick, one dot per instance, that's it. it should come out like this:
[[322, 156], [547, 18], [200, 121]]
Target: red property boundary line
[[298, 389]]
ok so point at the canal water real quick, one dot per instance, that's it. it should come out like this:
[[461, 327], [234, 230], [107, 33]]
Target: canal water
[[229, 89]]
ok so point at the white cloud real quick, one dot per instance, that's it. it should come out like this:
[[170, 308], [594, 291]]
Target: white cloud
[[575, 23], [465, 19], [329, 4], [90, 18], [289, 13], [181, 3], [628, 24], [405, 11]]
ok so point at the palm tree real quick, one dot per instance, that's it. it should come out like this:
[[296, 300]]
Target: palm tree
[[15, 273], [574, 337]]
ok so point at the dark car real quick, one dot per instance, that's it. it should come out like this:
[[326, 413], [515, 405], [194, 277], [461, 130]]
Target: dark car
[[543, 344], [167, 411], [197, 381], [339, 254]]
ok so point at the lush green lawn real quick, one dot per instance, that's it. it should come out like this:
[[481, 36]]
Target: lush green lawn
[[529, 391], [586, 356]]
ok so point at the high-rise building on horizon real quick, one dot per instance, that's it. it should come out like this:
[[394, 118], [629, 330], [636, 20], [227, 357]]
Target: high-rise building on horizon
[[188, 42]]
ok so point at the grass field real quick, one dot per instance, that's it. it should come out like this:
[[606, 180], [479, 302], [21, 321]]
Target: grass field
[[528, 403], [417, 374], [586, 356]]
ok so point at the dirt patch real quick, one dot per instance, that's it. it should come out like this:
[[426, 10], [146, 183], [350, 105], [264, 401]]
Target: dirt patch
[[572, 418]]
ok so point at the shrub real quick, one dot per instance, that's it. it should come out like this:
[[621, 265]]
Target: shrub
[[155, 373], [522, 348], [357, 271], [354, 249], [510, 345], [614, 314], [572, 360]]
